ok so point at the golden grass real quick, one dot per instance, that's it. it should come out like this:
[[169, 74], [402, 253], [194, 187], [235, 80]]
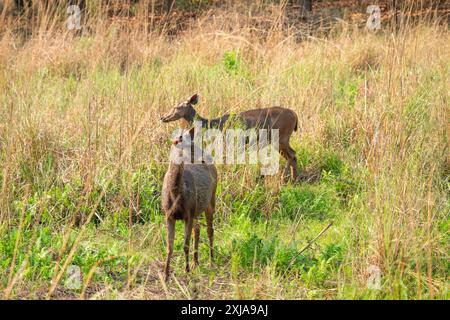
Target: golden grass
[[86, 109]]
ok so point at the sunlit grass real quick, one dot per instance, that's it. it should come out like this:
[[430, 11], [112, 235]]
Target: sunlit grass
[[83, 153]]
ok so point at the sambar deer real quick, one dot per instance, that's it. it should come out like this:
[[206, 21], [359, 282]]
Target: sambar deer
[[283, 119], [188, 190]]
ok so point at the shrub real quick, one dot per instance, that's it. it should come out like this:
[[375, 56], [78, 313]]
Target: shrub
[[232, 61], [256, 252], [311, 201]]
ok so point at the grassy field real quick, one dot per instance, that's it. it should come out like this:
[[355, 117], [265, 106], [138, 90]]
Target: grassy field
[[83, 153]]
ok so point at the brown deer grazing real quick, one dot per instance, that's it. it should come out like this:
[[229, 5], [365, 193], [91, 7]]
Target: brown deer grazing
[[285, 120], [188, 190]]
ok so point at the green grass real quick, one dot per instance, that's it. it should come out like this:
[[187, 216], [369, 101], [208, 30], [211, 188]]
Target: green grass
[[80, 140]]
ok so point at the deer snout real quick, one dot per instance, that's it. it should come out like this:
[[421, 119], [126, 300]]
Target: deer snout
[[168, 118], [171, 116], [177, 140]]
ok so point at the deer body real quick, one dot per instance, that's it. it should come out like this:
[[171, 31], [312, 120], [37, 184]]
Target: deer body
[[188, 190], [283, 119]]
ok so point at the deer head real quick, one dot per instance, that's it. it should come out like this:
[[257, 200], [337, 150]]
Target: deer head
[[185, 150], [184, 110]]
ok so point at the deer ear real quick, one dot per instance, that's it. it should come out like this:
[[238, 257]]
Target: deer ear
[[193, 99]]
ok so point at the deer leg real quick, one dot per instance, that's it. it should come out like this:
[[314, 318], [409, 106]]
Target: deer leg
[[287, 170], [187, 239], [209, 213], [284, 151], [293, 163], [170, 224], [196, 241]]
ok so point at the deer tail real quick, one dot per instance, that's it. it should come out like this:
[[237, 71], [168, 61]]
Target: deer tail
[[296, 121], [173, 207]]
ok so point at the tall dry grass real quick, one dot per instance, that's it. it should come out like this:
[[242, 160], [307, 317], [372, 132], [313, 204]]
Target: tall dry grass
[[82, 111]]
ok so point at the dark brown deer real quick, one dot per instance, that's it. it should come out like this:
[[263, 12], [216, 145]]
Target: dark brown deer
[[283, 119], [188, 190]]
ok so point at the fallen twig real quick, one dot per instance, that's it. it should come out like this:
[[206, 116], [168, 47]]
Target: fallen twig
[[307, 246], [317, 237]]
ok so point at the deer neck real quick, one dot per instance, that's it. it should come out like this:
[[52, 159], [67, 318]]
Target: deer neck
[[213, 123], [175, 181], [218, 122], [195, 117]]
